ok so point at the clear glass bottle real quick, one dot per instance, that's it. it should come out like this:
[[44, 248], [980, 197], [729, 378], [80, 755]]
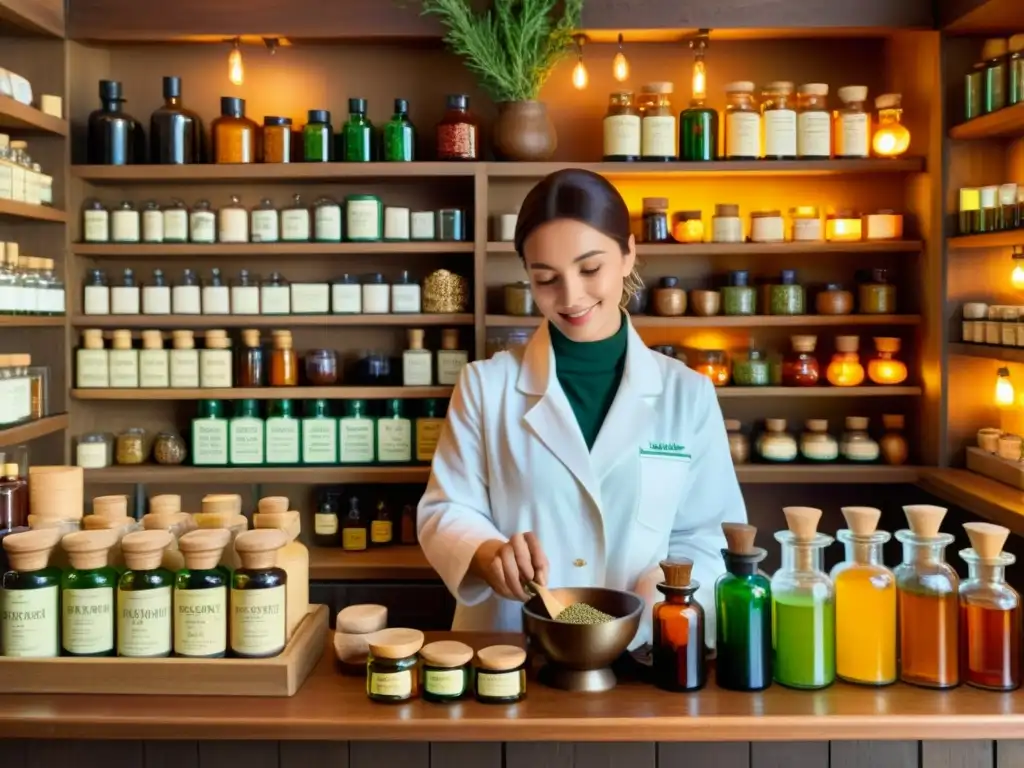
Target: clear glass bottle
[[95, 222], [857, 445], [6, 168], [326, 220], [10, 302], [852, 123], [458, 132], [778, 121], [891, 137], [295, 222], [742, 122], [126, 298], [186, 295], [743, 598], [813, 122], [417, 362], [30, 595], [816, 444], [678, 646], [216, 296], [252, 368], [144, 600], [125, 224], [658, 133], [215, 368], [176, 222], [96, 294], [775, 444], [284, 362], [28, 285], [156, 295], [265, 222], [233, 134], [201, 596], [184, 361], [245, 295], [450, 358], [152, 222], [357, 134], [258, 588], [87, 594], [202, 223], [399, 136], [233, 222]]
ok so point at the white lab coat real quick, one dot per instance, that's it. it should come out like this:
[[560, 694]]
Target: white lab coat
[[659, 481]]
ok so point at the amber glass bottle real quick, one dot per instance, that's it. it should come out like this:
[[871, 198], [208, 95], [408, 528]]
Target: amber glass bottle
[[679, 655], [234, 135], [353, 527], [252, 370], [284, 363]]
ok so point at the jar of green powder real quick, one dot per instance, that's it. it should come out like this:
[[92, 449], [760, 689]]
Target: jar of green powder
[[751, 370], [787, 298], [739, 297], [317, 137]]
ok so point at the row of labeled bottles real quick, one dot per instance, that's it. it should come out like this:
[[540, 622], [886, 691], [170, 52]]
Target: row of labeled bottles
[[28, 285]]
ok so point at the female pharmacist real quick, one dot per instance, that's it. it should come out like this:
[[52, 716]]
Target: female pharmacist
[[584, 458]]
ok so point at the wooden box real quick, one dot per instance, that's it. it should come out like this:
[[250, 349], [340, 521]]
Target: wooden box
[[278, 676], [990, 465]]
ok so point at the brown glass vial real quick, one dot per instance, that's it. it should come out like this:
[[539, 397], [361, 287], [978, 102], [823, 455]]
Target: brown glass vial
[[234, 135], [382, 528], [284, 363], [252, 369]]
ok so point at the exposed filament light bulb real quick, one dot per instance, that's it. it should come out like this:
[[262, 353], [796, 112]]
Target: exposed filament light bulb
[[700, 79], [236, 72], [1017, 275], [1004, 388], [580, 78], [620, 66]]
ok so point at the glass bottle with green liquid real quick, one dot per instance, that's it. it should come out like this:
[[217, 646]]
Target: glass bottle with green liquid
[[87, 594], [400, 135], [803, 605], [30, 596], [144, 618], [201, 596], [743, 596], [357, 134]]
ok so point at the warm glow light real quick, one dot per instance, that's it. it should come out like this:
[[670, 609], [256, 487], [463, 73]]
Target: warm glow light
[[620, 66], [236, 73], [843, 229], [1017, 276], [845, 370], [700, 80], [717, 372], [891, 137], [579, 76], [1004, 388], [886, 369]]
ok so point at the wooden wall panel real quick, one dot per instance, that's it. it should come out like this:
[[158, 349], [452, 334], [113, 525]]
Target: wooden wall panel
[[460, 754], [373, 754], [1009, 753], [313, 754], [789, 754], [873, 754], [252, 754], [171, 754], [539, 754], [710, 754], [957, 754]]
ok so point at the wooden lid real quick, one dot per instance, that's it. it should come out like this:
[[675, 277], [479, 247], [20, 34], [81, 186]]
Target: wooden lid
[[103, 523], [222, 502], [803, 343], [987, 539], [775, 425], [817, 425], [395, 643], [110, 506], [501, 658], [92, 339], [89, 549], [216, 342], [143, 550], [450, 338], [282, 341], [887, 344], [273, 504], [152, 340], [677, 571], [447, 653], [289, 522], [847, 343], [732, 425], [857, 423], [202, 549], [362, 619], [739, 538], [41, 522], [893, 420], [862, 520], [251, 337], [925, 519], [121, 339], [416, 338], [183, 339], [258, 549], [165, 521], [802, 522], [165, 502], [30, 550]]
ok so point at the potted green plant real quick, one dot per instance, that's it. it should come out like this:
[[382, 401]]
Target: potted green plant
[[512, 48]]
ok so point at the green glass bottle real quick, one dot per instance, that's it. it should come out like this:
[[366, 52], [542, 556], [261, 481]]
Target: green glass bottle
[[318, 137], [394, 434], [319, 434], [357, 133], [743, 597], [258, 624], [698, 133], [357, 434], [201, 596], [30, 596], [144, 618], [87, 595], [400, 135], [246, 435], [210, 435], [282, 433]]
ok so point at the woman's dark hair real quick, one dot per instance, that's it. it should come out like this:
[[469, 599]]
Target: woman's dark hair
[[575, 194]]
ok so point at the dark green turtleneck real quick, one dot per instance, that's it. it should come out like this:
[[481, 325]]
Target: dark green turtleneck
[[590, 372]]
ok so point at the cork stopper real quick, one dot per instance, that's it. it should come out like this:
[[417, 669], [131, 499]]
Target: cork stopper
[[862, 521], [110, 506], [289, 522], [106, 523], [887, 344], [857, 423], [732, 425], [362, 619], [450, 338], [251, 337], [987, 539], [775, 425], [165, 503], [168, 521], [202, 549], [222, 503], [31, 550], [739, 538], [501, 658], [216, 341], [92, 339], [121, 339], [727, 210], [448, 654], [677, 571], [88, 550], [925, 519], [395, 643], [416, 338], [282, 340], [10, 470], [802, 522], [258, 549], [273, 504], [894, 421], [803, 343], [817, 425], [144, 550], [152, 340], [847, 344], [183, 339]]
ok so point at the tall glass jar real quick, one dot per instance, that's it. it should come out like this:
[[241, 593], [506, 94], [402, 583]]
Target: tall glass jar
[[994, 55], [813, 122], [742, 122], [658, 125], [621, 128], [318, 137], [739, 297], [778, 120], [743, 597], [679, 652], [277, 139], [234, 135], [852, 129]]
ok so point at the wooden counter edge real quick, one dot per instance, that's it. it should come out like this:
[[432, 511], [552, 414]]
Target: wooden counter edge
[[989, 499]]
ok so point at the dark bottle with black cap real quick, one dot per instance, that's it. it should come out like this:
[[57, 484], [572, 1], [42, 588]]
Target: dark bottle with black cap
[[399, 144], [234, 135], [114, 136], [357, 134], [175, 133]]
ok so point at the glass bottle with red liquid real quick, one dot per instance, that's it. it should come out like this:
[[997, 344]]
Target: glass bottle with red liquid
[[989, 612], [926, 602], [458, 133], [800, 367], [679, 652]]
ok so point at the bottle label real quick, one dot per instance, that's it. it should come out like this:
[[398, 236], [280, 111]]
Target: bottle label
[[622, 136], [295, 224], [394, 440], [87, 625], [325, 524], [96, 226], [184, 368], [498, 685], [397, 684], [780, 133], [203, 227], [200, 621], [852, 137], [450, 363], [9, 300], [356, 441], [156, 300], [29, 622], [276, 299], [124, 300], [247, 440], [216, 299], [319, 441], [176, 225], [18, 184], [444, 682], [154, 365], [742, 134], [353, 538], [93, 369], [91, 456], [152, 226], [258, 621], [860, 450], [346, 299], [125, 226], [144, 622], [658, 136], [186, 300], [245, 300], [376, 299], [428, 433], [363, 220], [210, 442], [417, 368], [406, 298], [328, 223], [234, 225], [381, 531], [7, 185], [814, 134], [215, 368], [124, 368], [264, 227], [282, 441]]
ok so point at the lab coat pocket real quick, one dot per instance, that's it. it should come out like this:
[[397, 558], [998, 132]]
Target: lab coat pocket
[[661, 487]]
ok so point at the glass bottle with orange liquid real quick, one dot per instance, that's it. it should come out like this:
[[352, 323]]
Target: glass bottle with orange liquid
[[989, 612], [679, 652], [926, 601], [865, 603]]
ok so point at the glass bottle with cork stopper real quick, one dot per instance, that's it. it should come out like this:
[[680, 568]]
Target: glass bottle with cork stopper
[[800, 367], [865, 602], [990, 622], [144, 618], [215, 369], [621, 129], [803, 604], [926, 600], [852, 123], [893, 444], [292, 558], [447, 671], [417, 362], [92, 361], [258, 624], [233, 134], [679, 652], [500, 674], [743, 597], [201, 596], [458, 133], [391, 668], [252, 371], [30, 596], [154, 361], [845, 369], [658, 123], [184, 360], [742, 122], [450, 359], [124, 361], [87, 594], [284, 363], [14, 498]]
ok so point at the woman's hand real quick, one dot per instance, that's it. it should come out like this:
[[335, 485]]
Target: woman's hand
[[506, 566]]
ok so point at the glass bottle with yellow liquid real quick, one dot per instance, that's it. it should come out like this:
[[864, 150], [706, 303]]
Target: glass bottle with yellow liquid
[[865, 603]]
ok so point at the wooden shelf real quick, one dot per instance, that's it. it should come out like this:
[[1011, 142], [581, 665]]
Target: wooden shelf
[[1007, 123], [989, 240], [32, 17], [22, 433], [756, 249], [991, 352], [763, 474], [267, 321], [394, 563], [32, 321], [989, 499], [259, 172], [16, 116], [263, 250], [720, 168], [15, 210], [730, 321], [151, 473], [822, 391], [266, 393]]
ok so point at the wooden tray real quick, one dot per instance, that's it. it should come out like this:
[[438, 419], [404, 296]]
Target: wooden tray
[[990, 465], [278, 676]]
